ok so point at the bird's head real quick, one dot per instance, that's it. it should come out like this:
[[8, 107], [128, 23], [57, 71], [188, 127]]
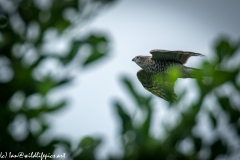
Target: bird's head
[[142, 61]]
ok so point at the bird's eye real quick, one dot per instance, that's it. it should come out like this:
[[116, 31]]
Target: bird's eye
[[138, 57]]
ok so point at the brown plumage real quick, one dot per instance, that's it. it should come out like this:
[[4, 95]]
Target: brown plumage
[[155, 76]]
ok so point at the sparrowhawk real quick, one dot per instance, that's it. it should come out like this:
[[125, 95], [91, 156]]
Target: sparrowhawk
[[154, 74]]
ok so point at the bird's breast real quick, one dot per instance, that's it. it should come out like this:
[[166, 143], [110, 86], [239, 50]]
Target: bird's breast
[[159, 66]]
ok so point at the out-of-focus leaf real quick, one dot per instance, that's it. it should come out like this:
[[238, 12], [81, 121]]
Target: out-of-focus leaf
[[197, 143], [31, 113], [141, 101], [225, 49], [95, 39], [184, 128], [44, 127], [88, 142], [48, 84], [213, 119], [93, 57], [57, 107], [125, 118], [96, 53], [61, 141], [225, 103], [233, 113], [221, 77], [71, 55], [3, 21], [207, 69], [87, 148], [61, 25], [218, 148], [238, 129], [147, 123], [28, 11]]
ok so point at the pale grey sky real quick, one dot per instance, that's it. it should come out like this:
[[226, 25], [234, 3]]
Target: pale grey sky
[[135, 27]]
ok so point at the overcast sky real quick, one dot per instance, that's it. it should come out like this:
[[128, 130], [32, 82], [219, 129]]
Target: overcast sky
[[135, 27]]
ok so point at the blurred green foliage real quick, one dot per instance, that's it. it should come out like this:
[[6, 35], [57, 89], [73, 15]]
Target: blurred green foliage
[[138, 142], [25, 27]]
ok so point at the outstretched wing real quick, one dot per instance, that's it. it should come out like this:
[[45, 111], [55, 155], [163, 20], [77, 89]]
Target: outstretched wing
[[157, 85], [178, 56]]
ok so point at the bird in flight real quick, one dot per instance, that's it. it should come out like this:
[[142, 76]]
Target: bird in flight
[[156, 70]]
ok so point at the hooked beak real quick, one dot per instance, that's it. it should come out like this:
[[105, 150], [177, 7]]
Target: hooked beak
[[133, 59]]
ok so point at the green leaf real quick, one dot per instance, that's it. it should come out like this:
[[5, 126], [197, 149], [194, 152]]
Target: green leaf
[[74, 50], [218, 148], [3, 21], [87, 148], [142, 101], [197, 143], [233, 113], [213, 119], [89, 142], [49, 83], [124, 116], [225, 48], [96, 53], [45, 108], [61, 25], [92, 58]]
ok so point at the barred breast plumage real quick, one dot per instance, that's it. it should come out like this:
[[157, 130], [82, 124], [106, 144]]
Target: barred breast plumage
[[160, 66]]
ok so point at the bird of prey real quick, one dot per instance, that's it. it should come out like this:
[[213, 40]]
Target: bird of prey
[[156, 70]]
